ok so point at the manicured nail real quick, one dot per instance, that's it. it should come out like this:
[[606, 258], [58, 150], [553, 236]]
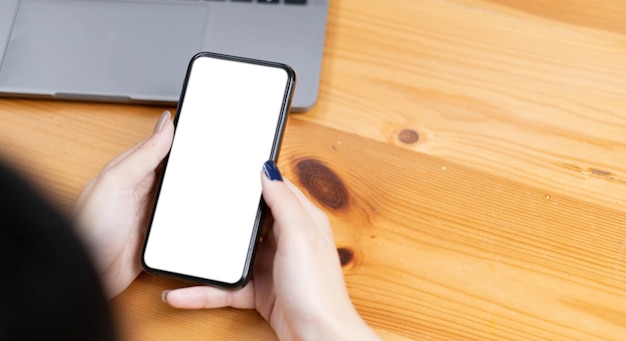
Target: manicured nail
[[164, 295], [271, 171], [165, 116]]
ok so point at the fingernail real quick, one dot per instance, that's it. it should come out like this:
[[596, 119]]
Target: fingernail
[[164, 295], [165, 116], [271, 171]]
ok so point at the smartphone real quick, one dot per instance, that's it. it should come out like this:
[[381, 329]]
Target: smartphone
[[208, 209]]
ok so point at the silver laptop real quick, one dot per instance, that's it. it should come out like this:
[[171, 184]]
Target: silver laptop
[[138, 50]]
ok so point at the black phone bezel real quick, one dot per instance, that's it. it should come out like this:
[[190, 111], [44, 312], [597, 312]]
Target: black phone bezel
[[262, 208]]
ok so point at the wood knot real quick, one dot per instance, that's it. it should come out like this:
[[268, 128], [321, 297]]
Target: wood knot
[[345, 255], [323, 184], [408, 136]]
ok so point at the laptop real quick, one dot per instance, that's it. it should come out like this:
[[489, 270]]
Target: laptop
[[138, 50]]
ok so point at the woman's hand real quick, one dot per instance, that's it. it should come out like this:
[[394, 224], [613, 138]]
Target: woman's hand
[[111, 212], [297, 283]]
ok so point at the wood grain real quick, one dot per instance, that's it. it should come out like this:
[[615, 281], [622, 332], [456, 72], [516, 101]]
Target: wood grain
[[418, 222], [525, 96], [605, 15], [62, 145], [471, 155]]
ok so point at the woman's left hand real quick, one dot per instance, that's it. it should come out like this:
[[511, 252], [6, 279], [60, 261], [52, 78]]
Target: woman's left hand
[[112, 210]]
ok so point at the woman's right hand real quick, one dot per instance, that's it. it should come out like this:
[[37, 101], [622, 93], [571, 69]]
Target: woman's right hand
[[297, 284]]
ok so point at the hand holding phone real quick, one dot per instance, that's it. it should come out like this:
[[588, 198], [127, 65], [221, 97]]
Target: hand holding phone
[[208, 209]]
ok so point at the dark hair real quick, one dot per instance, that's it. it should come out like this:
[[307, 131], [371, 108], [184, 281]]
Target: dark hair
[[49, 288]]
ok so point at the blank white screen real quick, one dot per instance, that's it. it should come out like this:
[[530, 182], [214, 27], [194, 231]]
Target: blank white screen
[[205, 214]]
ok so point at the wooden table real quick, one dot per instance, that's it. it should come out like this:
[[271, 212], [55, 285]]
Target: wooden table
[[471, 155]]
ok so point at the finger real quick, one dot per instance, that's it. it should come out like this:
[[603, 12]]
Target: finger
[[272, 172], [284, 204], [145, 158], [311, 208], [208, 297], [160, 124], [114, 162], [290, 207]]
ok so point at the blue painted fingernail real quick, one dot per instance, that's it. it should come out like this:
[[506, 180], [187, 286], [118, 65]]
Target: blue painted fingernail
[[271, 171]]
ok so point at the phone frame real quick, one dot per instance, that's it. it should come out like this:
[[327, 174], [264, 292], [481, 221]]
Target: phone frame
[[262, 207]]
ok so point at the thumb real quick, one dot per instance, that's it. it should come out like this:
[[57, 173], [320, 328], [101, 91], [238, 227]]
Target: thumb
[[146, 156]]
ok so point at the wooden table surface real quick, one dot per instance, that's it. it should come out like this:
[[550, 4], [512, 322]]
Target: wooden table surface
[[471, 155]]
